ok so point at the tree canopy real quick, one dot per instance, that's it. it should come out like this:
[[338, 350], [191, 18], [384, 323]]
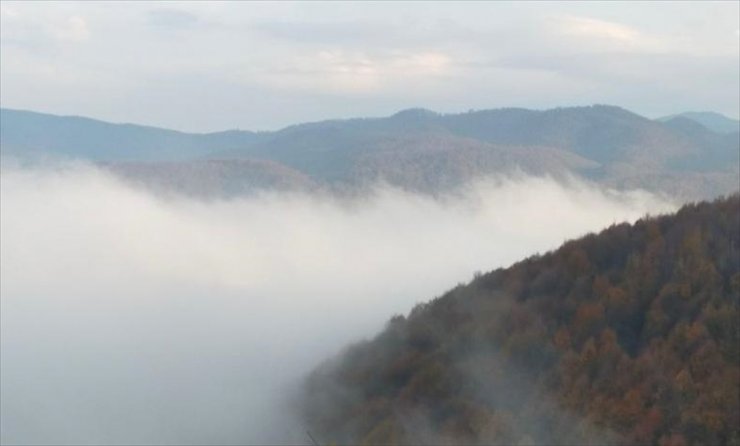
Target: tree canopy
[[628, 336]]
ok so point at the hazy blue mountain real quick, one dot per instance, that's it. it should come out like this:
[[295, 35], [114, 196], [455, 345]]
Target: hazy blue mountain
[[713, 121], [416, 149], [600, 133], [25, 133], [608, 144], [717, 149]]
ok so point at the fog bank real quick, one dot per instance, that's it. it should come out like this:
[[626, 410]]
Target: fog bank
[[132, 318]]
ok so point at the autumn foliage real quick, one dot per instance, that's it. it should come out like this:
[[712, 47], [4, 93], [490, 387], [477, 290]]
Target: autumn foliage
[[630, 336]]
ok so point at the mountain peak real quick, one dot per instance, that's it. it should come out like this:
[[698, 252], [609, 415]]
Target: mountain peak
[[713, 121], [415, 113], [684, 124]]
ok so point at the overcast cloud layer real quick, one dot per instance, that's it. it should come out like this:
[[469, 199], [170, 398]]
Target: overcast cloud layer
[[212, 66], [128, 318]]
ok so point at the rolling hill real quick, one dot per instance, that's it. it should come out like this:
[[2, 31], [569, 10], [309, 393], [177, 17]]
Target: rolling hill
[[416, 149]]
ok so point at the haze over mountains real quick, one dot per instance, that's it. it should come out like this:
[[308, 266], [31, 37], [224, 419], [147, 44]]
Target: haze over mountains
[[414, 149], [713, 121], [212, 215]]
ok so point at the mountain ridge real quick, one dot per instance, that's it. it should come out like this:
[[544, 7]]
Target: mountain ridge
[[713, 121], [23, 131], [602, 143]]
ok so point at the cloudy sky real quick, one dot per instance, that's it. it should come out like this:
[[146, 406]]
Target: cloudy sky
[[213, 66]]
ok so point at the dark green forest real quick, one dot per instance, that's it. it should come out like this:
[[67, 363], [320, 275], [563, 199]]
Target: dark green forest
[[630, 336]]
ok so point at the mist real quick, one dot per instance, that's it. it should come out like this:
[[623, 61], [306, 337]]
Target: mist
[[130, 317]]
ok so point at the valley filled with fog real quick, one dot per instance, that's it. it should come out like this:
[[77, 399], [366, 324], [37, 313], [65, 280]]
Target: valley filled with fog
[[133, 317]]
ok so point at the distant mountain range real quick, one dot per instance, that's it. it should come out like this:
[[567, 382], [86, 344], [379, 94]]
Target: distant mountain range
[[416, 149], [713, 121], [26, 133]]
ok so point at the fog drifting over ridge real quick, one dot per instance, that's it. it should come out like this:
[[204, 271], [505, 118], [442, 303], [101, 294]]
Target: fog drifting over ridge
[[133, 318]]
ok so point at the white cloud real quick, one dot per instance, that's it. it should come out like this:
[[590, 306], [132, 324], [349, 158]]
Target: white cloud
[[587, 27], [39, 29], [128, 318], [8, 11], [73, 29], [342, 71], [172, 18], [591, 34]]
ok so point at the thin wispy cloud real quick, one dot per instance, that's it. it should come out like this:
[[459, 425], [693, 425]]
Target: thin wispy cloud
[[586, 27], [341, 71], [172, 18]]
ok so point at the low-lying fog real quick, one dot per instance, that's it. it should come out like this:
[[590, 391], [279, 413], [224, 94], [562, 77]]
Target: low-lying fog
[[132, 318]]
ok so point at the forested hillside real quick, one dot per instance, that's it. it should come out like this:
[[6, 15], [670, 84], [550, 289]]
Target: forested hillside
[[628, 336]]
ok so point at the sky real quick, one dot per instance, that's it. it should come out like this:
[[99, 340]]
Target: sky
[[261, 66]]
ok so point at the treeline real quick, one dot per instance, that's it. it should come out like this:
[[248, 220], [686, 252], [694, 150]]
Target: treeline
[[628, 336]]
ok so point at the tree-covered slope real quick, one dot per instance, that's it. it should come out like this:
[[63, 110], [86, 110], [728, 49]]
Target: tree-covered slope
[[628, 336]]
